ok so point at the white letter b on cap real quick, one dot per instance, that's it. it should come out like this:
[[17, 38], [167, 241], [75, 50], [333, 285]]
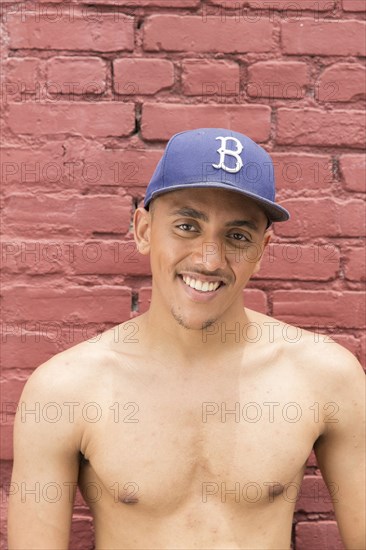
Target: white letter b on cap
[[223, 151]]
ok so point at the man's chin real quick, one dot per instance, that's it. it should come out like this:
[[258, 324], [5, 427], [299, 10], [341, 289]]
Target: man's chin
[[192, 324]]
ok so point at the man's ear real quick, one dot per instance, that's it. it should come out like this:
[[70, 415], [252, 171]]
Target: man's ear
[[142, 230], [266, 238]]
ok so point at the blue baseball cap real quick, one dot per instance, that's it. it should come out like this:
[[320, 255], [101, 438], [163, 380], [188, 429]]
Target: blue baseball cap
[[217, 158]]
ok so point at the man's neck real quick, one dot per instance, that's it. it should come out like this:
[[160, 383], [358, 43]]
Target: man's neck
[[163, 333]]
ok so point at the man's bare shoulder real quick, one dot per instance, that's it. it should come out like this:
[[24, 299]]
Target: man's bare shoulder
[[79, 370], [316, 354], [66, 396]]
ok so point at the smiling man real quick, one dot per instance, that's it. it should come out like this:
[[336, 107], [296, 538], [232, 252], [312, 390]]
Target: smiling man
[[193, 431]]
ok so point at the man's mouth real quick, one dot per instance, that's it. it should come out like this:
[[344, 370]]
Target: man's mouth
[[202, 286]]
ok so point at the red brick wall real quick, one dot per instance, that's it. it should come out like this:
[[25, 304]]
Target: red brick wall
[[92, 91]]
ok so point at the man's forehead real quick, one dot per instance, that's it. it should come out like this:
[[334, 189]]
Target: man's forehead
[[228, 204]]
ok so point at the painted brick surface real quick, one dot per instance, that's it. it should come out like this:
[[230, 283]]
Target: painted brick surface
[[161, 120], [91, 93], [318, 535], [353, 169], [195, 34], [70, 31], [278, 79], [324, 38], [342, 82], [206, 77], [142, 76]]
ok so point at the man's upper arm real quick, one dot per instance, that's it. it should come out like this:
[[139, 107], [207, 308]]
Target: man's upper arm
[[340, 451], [46, 463]]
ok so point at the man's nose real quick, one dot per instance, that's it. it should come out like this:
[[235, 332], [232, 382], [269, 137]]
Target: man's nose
[[211, 254]]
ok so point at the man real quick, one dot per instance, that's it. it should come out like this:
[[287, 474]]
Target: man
[[180, 433]]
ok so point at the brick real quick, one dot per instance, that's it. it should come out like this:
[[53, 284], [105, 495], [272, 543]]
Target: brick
[[321, 128], [299, 171], [310, 37], [355, 264], [292, 261], [319, 535], [132, 7], [28, 344], [256, 299], [3, 519], [161, 120], [77, 118], [39, 257], [131, 168], [30, 165], [144, 299], [346, 218], [322, 5], [6, 469], [26, 350], [67, 305], [241, 7], [207, 77], [61, 31], [82, 533], [20, 76], [80, 508], [6, 442], [311, 461], [313, 308], [128, 168], [272, 79], [5, 473], [61, 215], [76, 75], [23, 69], [60, 165], [314, 496], [308, 219], [353, 169], [342, 82], [11, 388], [142, 76], [354, 5], [40, 2], [110, 258], [195, 34]]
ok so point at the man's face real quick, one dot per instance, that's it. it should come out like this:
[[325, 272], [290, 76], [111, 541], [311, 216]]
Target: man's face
[[204, 246]]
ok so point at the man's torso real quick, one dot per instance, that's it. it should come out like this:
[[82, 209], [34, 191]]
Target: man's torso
[[204, 456]]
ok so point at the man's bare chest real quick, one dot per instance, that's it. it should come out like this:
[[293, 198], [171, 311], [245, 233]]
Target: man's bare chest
[[221, 441]]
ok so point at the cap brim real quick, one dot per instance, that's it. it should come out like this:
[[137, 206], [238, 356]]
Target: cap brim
[[274, 212]]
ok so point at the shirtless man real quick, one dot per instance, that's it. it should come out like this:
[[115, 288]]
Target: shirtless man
[[190, 427]]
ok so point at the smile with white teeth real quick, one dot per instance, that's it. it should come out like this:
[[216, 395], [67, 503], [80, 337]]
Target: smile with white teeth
[[199, 285]]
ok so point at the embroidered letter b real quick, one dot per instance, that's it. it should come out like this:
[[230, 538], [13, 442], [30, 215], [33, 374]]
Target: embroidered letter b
[[223, 152]]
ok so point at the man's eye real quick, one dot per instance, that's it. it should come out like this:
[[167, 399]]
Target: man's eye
[[240, 237], [185, 226]]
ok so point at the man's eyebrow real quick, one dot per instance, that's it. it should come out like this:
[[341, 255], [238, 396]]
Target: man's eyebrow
[[190, 213], [243, 223], [198, 215]]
